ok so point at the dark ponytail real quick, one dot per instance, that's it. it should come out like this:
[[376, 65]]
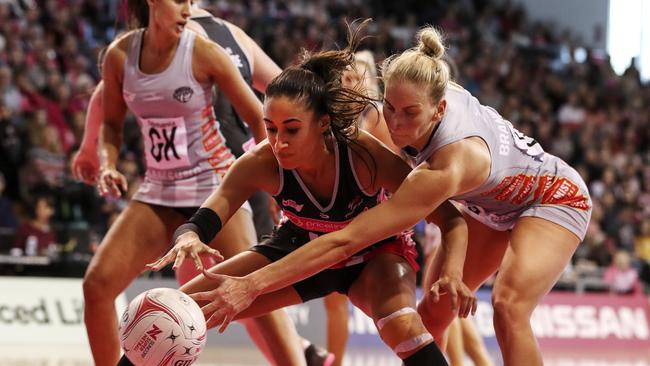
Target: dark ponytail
[[138, 14], [316, 80]]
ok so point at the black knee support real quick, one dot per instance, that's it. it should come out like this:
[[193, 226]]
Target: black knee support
[[124, 362], [428, 355]]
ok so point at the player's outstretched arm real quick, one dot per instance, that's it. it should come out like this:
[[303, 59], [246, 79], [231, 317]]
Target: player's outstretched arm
[[250, 173]]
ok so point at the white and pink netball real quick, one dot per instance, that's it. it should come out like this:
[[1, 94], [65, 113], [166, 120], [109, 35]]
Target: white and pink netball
[[162, 326]]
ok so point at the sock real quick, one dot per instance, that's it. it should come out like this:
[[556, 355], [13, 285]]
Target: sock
[[124, 362], [304, 343], [428, 355]]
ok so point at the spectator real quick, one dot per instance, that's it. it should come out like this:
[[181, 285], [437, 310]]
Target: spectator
[[621, 277], [47, 53], [642, 248], [11, 148], [7, 217], [46, 162], [8, 92], [593, 252], [35, 236], [642, 241], [572, 113]]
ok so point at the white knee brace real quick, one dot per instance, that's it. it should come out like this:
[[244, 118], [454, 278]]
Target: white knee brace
[[382, 322], [409, 344], [413, 343]]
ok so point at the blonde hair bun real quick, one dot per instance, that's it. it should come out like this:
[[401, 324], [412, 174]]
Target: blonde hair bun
[[430, 42]]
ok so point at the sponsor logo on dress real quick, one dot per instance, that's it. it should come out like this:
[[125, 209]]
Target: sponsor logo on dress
[[353, 205], [151, 97], [235, 58], [293, 204], [546, 189], [183, 94], [319, 226]]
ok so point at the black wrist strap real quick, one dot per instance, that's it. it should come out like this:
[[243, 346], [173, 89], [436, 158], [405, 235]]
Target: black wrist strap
[[205, 222]]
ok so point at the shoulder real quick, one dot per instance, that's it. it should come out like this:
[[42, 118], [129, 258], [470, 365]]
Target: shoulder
[[208, 58], [364, 146], [200, 43], [364, 157], [121, 44], [368, 146], [466, 162], [244, 41], [375, 165], [238, 33], [261, 161], [263, 153], [196, 28], [117, 52], [207, 51], [471, 151]]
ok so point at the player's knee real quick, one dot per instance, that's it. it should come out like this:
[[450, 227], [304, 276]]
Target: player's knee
[[403, 331], [97, 287], [510, 309]]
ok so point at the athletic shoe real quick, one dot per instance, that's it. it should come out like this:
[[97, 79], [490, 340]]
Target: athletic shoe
[[317, 356]]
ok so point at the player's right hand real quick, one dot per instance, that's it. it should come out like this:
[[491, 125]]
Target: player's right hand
[[111, 183], [230, 296], [85, 167], [189, 245], [463, 300]]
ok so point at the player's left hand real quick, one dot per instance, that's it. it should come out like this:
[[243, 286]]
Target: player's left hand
[[463, 300], [231, 296]]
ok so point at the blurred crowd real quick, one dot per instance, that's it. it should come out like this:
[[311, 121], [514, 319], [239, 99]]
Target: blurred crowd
[[546, 81]]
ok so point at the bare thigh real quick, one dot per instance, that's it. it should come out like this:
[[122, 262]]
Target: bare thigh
[[237, 235], [538, 253], [141, 234], [386, 284]]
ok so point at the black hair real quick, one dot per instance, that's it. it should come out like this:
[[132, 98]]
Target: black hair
[[101, 54], [32, 203], [138, 16], [316, 80]]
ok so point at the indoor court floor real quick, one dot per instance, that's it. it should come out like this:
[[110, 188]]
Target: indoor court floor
[[249, 356]]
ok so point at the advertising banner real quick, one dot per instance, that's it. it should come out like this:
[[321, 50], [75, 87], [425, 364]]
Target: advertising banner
[[561, 320], [593, 320], [46, 311]]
